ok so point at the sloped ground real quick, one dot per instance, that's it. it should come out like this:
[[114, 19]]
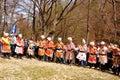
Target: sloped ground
[[27, 69]]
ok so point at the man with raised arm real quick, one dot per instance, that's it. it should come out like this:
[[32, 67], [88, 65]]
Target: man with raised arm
[[6, 45]]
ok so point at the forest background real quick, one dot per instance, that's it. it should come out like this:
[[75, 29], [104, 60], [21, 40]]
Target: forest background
[[89, 19]]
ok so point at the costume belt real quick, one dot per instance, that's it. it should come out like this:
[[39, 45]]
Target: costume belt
[[103, 54]]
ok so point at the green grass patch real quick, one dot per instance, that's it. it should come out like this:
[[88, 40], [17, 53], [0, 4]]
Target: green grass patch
[[27, 69]]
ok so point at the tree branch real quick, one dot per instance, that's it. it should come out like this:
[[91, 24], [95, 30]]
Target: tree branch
[[65, 9]]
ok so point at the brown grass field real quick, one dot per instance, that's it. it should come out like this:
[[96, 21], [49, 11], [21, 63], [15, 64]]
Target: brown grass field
[[27, 69]]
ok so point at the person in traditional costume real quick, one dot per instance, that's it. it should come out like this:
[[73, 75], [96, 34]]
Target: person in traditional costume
[[49, 49], [36, 49], [19, 46], [97, 50], [41, 51], [6, 45], [64, 53], [30, 49], [59, 50], [109, 57], [82, 53], [92, 55], [116, 60], [103, 59], [77, 50], [70, 50], [118, 69], [25, 46], [13, 45], [0, 45]]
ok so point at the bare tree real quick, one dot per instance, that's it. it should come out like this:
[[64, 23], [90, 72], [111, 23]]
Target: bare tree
[[5, 14], [114, 18], [33, 27], [0, 12], [50, 15], [88, 19]]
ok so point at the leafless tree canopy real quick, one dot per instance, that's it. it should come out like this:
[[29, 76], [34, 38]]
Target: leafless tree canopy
[[90, 19]]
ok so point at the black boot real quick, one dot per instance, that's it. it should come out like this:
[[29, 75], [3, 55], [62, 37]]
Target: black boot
[[56, 60], [101, 67], [45, 58], [17, 56], [30, 56], [62, 60], [70, 61], [67, 61], [4, 54], [42, 57], [90, 64], [8, 55], [117, 71], [114, 70], [59, 60], [20, 56]]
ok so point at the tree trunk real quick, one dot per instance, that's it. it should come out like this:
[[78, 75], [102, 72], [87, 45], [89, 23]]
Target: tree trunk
[[114, 19], [55, 21], [0, 12], [43, 27], [88, 18], [53, 30], [64, 30], [4, 17], [33, 27]]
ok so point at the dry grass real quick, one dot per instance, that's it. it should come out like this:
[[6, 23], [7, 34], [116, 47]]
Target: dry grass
[[37, 70]]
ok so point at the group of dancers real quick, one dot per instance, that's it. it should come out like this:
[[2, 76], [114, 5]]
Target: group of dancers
[[101, 55]]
